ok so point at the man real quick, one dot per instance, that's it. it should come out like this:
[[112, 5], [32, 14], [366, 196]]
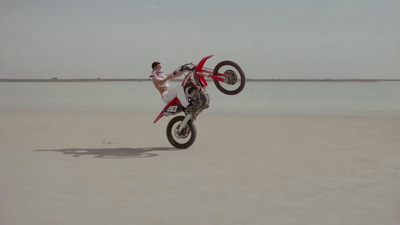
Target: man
[[161, 82]]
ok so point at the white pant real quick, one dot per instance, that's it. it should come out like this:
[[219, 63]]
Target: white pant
[[177, 91]]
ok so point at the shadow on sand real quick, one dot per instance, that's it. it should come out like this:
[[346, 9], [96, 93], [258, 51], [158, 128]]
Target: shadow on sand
[[115, 153]]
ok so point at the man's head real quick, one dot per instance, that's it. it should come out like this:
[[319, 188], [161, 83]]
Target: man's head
[[156, 65]]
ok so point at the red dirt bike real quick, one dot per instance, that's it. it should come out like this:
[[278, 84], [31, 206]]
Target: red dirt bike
[[229, 79]]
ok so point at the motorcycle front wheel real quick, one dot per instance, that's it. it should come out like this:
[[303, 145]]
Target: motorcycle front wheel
[[234, 78], [183, 139]]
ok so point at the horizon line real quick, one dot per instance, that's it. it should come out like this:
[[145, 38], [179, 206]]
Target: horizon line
[[55, 79]]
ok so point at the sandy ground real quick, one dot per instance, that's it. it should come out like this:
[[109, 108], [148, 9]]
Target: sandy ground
[[118, 168]]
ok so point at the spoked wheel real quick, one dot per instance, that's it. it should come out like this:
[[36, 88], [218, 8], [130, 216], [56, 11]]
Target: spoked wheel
[[183, 139], [234, 78]]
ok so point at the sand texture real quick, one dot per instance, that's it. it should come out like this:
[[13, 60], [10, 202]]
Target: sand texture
[[119, 168]]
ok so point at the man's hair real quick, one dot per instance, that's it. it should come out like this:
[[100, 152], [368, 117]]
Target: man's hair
[[154, 64]]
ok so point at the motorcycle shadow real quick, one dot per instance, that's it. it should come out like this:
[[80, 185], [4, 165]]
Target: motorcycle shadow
[[113, 153]]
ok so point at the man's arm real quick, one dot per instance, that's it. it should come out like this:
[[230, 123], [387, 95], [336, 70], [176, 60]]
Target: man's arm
[[170, 76]]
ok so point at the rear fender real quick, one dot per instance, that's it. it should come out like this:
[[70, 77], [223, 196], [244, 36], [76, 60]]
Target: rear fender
[[171, 108]]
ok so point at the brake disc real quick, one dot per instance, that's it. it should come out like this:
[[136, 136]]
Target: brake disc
[[183, 134], [230, 77]]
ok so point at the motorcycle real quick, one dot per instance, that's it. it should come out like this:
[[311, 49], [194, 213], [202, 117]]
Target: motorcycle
[[228, 77]]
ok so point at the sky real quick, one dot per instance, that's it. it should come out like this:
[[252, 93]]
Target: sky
[[267, 38]]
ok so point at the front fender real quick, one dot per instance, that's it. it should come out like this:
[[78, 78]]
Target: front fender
[[199, 66]]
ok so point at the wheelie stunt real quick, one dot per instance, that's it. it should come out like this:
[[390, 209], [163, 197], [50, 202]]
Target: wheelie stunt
[[191, 97]]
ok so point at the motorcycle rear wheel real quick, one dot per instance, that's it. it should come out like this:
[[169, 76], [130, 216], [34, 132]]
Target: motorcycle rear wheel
[[183, 139], [234, 77]]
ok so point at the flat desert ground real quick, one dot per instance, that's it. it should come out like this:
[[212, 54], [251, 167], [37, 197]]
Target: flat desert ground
[[119, 168]]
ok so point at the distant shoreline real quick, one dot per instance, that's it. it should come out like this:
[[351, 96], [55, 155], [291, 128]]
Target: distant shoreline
[[145, 80]]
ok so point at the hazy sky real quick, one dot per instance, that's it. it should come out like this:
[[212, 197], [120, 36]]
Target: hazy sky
[[268, 38]]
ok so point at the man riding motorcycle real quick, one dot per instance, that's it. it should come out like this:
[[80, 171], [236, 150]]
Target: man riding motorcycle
[[161, 83]]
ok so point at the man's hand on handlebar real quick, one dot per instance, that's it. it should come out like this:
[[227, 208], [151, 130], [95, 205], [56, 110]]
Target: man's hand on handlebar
[[186, 67]]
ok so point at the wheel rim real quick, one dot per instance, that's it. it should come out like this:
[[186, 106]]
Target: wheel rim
[[231, 79], [183, 136]]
